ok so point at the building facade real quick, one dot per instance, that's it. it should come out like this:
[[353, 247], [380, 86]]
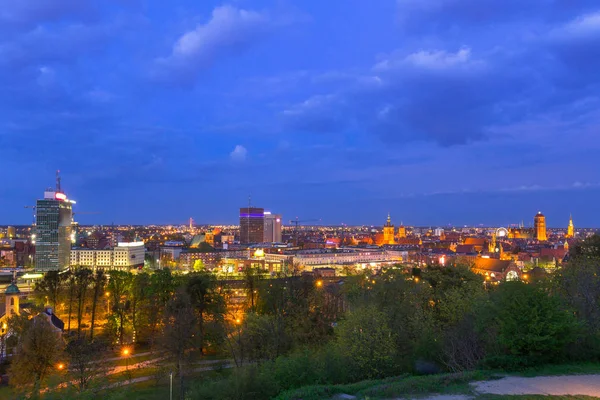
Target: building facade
[[54, 215], [123, 256], [388, 232], [252, 225], [571, 228], [272, 228], [539, 227]]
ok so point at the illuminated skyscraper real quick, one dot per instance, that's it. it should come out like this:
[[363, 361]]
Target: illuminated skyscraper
[[539, 227], [272, 227], [252, 225], [571, 228], [54, 214]]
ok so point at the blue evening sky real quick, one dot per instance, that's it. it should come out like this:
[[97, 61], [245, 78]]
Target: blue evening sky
[[438, 111]]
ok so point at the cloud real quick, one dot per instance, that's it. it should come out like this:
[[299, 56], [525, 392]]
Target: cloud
[[229, 29], [239, 153]]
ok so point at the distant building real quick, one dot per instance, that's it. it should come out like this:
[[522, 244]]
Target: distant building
[[54, 214], [388, 232], [11, 232], [570, 229], [123, 256], [401, 231], [438, 232], [539, 227], [272, 228], [252, 225]]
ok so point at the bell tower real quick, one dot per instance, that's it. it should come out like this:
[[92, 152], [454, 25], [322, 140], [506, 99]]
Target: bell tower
[[388, 232]]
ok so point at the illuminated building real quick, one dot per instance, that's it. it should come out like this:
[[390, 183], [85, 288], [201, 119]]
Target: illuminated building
[[54, 214], [252, 225], [571, 228], [388, 232], [539, 227], [123, 256], [401, 231], [272, 228], [10, 232]]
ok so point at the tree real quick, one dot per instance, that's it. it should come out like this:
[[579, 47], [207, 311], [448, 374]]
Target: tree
[[140, 292], [83, 278], [179, 328], [87, 360], [118, 287], [49, 287], [71, 283], [251, 282], [198, 265], [99, 281], [209, 304], [525, 326], [38, 352], [367, 340]]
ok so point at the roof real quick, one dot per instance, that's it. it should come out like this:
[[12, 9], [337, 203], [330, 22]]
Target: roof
[[491, 264], [12, 289], [465, 248], [475, 241]]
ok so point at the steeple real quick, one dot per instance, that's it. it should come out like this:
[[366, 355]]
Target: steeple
[[389, 220], [571, 228]]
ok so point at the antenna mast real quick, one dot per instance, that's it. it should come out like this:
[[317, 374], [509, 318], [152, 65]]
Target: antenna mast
[[58, 181]]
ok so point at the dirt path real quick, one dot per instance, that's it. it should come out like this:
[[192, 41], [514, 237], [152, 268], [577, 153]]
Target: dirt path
[[547, 385]]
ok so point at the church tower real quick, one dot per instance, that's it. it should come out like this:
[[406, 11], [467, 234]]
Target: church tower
[[388, 232], [571, 228], [539, 227], [12, 300], [401, 231]]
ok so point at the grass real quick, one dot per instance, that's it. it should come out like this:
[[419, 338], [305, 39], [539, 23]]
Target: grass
[[561, 369], [393, 387]]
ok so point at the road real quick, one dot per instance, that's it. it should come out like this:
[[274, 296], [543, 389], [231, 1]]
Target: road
[[588, 385]]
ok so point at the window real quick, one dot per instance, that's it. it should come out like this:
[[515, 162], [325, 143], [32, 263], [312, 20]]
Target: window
[[12, 301]]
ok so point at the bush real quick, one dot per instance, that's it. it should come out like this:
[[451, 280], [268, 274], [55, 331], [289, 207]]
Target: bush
[[248, 383], [525, 326]]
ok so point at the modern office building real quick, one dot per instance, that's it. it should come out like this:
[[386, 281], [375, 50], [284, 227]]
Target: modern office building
[[539, 227], [272, 228], [252, 225], [54, 215]]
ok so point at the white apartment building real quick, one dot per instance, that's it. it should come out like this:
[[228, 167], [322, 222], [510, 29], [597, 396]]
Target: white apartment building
[[326, 258], [123, 256]]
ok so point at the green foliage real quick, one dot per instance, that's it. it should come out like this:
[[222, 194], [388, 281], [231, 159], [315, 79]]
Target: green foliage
[[249, 383], [366, 339], [529, 327]]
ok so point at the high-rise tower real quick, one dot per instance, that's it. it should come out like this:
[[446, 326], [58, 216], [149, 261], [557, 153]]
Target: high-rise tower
[[388, 232], [252, 225], [272, 228], [54, 215], [571, 228], [539, 227]]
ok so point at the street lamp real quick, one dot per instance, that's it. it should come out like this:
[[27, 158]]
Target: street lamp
[[126, 353], [61, 366]]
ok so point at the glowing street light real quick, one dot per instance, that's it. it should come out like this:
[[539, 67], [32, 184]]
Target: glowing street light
[[319, 283], [61, 366]]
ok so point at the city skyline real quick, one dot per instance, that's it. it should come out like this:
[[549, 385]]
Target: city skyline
[[438, 112]]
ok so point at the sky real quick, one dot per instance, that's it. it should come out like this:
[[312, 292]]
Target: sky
[[437, 111]]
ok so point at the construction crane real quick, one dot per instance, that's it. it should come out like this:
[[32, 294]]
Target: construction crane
[[296, 222]]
